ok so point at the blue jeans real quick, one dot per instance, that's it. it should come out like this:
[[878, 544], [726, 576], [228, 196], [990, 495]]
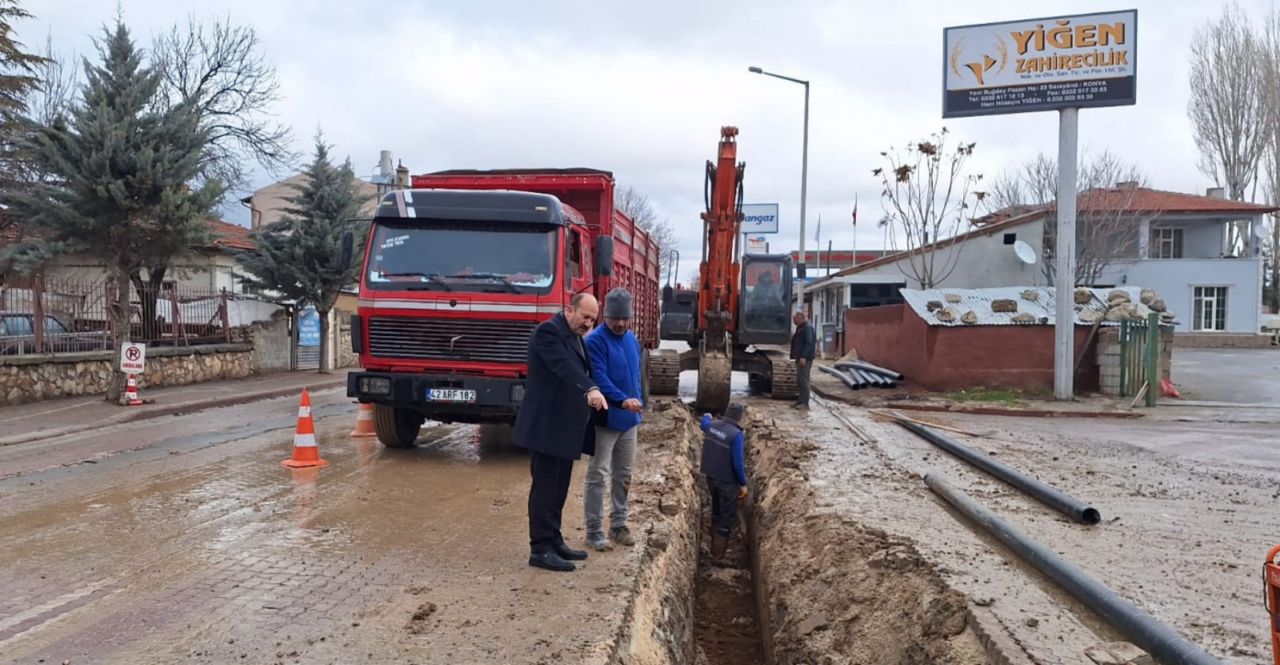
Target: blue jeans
[[615, 455]]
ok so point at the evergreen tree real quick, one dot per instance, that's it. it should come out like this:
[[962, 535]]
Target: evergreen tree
[[298, 259], [120, 171], [19, 79]]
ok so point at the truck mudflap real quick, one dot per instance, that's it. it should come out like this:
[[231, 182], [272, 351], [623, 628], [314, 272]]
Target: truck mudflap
[[441, 397]]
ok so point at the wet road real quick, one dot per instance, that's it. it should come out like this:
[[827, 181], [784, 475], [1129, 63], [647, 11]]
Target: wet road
[[196, 545]]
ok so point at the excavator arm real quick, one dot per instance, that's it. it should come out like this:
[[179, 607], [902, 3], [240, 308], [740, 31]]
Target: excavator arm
[[718, 277]]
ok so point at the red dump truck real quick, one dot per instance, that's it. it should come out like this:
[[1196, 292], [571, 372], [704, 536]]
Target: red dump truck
[[460, 268]]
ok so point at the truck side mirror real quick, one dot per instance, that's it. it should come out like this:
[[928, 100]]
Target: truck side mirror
[[348, 248], [604, 256]]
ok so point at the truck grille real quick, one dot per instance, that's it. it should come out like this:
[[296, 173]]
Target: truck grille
[[429, 339]]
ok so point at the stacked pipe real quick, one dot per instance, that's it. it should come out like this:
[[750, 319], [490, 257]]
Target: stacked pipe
[[858, 375]]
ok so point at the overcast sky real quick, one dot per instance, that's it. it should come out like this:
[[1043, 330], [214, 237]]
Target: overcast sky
[[642, 88]]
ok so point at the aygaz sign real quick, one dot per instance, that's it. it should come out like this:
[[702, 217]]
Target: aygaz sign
[[1040, 65]]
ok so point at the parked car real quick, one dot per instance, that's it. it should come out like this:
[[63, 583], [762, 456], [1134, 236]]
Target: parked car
[[17, 336]]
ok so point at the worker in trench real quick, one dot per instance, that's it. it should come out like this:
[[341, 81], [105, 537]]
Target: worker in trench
[[724, 465], [804, 347], [615, 366], [555, 425]]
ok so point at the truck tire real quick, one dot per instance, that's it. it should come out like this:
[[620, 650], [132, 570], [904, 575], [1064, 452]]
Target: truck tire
[[396, 428]]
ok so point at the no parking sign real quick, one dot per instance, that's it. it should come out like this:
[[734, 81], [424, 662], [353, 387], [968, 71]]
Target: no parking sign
[[133, 358]]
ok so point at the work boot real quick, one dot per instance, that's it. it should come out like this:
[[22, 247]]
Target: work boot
[[568, 554], [719, 544], [598, 542], [622, 536], [549, 560]]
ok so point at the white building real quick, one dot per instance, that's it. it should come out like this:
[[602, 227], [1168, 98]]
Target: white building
[[1178, 244]]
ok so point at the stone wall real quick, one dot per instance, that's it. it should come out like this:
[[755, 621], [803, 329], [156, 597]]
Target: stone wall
[[345, 357], [31, 378], [1109, 359], [272, 345]]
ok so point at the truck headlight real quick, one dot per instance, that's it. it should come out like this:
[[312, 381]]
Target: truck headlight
[[375, 385], [517, 392]]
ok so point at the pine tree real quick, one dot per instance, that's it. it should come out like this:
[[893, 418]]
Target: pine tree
[[18, 81], [121, 171], [299, 257]]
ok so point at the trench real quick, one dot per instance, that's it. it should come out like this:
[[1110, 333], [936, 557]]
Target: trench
[[727, 626], [802, 586]]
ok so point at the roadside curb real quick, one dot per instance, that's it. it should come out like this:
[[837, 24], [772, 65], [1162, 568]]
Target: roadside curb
[[178, 408]]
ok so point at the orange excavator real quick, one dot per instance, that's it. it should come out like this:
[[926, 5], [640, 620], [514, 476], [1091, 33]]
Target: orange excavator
[[740, 314]]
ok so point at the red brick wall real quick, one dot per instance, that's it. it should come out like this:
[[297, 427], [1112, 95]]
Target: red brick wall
[[942, 358]]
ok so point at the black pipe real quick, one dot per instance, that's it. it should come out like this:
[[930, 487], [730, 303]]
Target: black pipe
[[844, 378], [868, 378], [1046, 494], [1159, 640], [868, 367], [878, 380]]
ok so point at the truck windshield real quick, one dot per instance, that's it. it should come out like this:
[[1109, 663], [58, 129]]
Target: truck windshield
[[463, 256]]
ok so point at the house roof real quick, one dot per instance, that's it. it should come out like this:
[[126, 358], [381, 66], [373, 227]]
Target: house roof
[[1144, 199], [1114, 199], [229, 236]]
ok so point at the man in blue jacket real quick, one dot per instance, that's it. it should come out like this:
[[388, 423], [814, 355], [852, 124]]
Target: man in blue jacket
[[724, 465], [554, 425], [615, 366]]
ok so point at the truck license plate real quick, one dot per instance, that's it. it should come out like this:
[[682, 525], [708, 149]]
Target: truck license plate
[[450, 395]]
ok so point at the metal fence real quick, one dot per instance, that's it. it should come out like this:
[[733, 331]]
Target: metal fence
[[67, 316], [1140, 358]]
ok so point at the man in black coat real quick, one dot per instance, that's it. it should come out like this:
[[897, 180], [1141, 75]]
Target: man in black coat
[[555, 424], [804, 347]]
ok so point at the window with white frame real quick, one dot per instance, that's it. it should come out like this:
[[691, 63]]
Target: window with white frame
[[1166, 243], [1210, 305]]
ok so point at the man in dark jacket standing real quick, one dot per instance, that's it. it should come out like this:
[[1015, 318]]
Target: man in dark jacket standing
[[554, 424], [804, 346]]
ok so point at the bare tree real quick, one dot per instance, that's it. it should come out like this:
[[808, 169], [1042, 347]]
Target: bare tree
[[1271, 157], [1228, 106], [925, 192], [1107, 227], [637, 207], [220, 68]]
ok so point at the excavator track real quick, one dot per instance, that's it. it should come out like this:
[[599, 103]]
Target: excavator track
[[714, 372], [783, 376], [664, 372]]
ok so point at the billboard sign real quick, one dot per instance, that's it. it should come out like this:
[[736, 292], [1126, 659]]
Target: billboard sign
[[759, 218], [1044, 64]]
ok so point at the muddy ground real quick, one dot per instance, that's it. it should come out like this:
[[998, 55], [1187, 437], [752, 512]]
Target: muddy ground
[[1188, 505], [204, 550]]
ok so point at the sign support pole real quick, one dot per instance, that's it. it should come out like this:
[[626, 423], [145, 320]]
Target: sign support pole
[[1064, 328]]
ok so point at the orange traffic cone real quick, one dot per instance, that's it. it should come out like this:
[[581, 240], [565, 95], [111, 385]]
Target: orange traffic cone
[[364, 421], [131, 392], [305, 452]]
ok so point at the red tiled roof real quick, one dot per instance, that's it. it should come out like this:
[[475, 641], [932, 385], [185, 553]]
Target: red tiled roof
[[230, 236], [1142, 199]]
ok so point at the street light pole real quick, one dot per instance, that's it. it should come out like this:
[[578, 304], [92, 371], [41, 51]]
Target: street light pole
[[804, 172]]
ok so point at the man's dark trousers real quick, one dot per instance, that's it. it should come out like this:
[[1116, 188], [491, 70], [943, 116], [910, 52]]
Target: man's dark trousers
[[547, 495], [724, 505]]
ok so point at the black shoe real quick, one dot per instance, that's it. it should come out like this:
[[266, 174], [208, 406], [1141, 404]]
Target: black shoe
[[550, 561], [568, 554]]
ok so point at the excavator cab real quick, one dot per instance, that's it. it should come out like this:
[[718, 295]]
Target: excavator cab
[[765, 301]]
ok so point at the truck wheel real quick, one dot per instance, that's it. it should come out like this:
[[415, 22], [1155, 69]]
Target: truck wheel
[[396, 428]]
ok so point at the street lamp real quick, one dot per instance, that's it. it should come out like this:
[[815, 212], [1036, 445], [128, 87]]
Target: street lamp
[[804, 167]]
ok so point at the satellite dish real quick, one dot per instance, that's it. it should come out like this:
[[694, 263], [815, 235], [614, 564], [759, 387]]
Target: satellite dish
[[1024, 252]]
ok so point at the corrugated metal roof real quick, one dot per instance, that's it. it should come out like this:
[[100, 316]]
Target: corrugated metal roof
[[979, 301]]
